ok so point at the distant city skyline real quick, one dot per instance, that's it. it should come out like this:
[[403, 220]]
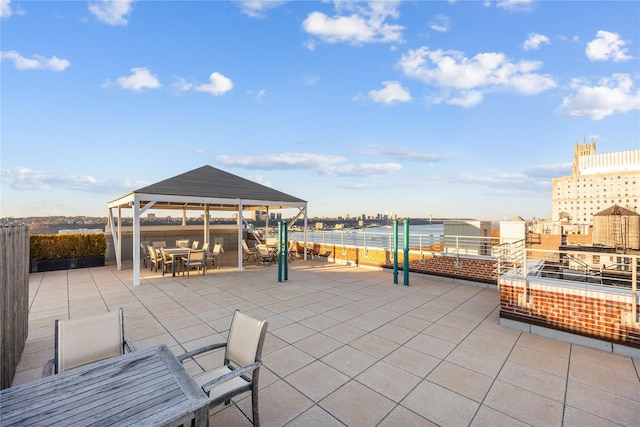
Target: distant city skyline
[[442, 108]]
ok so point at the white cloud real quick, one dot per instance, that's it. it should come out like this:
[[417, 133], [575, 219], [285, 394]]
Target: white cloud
[[463, 81], [281, 161], [36, 63], [466, 99], [218, 85], [391, 93], [441, 23], [140, 79], [311, 80], [607, 46], [360, 23], [5, 8], [181, 85], [611, 96], [534, 41], [112, 12], [256, 177], [400, 153], [549, 171], [257, 8], [362, 169], [23, 179], [310, 45], [507, 183], [259, 95], [325, 165], [515, 5]]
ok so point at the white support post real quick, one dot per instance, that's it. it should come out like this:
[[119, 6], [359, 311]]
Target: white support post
[[136, 243], [116, 246], [305, 235], [206, 224], [240, 251], [119, 237]]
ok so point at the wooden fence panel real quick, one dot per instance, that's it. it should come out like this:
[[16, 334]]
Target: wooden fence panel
[[14, 298]]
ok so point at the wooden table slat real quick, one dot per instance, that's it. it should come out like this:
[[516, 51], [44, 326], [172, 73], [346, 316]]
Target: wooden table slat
[[147, 387], [66, 389], [106, 405]]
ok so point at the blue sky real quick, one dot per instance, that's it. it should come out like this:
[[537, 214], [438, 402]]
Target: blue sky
[[450, 109]]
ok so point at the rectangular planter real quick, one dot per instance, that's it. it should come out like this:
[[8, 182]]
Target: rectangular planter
[[90, 261], [41, 265]]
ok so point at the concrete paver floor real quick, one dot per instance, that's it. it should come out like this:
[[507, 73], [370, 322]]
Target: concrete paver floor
[[347, 347]]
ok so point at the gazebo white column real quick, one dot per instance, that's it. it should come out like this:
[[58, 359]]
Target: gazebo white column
[[136, 242], [206, 224], [240, 250]]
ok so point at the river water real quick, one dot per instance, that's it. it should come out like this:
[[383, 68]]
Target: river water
[[375, 237]]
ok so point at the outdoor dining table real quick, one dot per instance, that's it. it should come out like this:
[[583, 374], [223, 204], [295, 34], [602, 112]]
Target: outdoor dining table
[[176, 254], [146, 387]]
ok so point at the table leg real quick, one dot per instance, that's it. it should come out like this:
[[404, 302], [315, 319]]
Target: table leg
[[173, 267], [202, 417]]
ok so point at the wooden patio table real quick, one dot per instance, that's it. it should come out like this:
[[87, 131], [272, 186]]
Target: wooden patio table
[[147, 387]]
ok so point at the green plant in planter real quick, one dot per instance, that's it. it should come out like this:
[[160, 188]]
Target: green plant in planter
[[59, 246]]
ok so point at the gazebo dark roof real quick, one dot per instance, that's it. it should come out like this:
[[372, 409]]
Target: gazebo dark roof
[[206, 185], [207, 181]]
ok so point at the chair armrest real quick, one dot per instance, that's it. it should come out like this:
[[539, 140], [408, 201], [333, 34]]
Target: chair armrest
[[226, 377], [130, 345], [47, 369], [201, 350]]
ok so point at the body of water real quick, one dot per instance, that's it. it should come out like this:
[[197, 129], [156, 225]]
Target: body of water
[[375, 237]]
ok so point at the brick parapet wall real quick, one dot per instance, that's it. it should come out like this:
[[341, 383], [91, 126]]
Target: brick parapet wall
[[466, 267], [592, 313]]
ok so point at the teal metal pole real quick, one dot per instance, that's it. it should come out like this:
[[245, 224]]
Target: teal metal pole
[[406, 253], [395, 251], [285, 246], [279, 252]]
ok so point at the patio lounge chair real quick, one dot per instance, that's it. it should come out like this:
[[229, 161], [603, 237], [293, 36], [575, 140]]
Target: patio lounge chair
[[248, 253], [242, 361], [264, 254], [293, 250], [195, 258], [87, 340]]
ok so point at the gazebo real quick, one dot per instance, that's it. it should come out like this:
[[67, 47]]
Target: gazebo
[[203, 189]]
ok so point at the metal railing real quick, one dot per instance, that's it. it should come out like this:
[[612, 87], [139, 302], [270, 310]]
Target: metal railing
[[510, 256], [461, 245]]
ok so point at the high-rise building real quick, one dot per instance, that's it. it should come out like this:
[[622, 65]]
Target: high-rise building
[[597, 182]]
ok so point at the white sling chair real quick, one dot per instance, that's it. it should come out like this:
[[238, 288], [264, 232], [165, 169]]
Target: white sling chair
[[242, 361], [86, 340]]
